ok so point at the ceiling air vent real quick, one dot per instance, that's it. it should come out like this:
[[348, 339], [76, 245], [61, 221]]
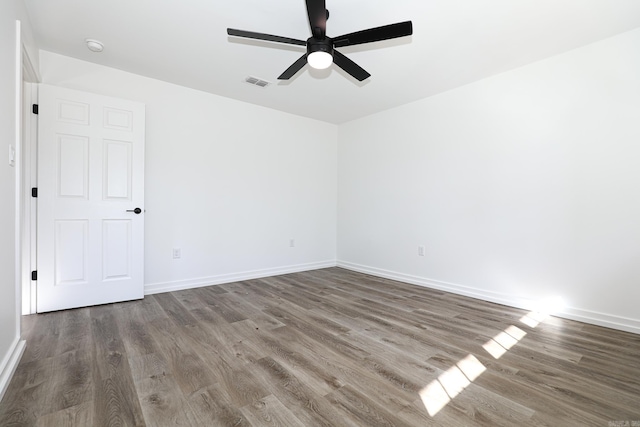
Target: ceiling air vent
[[256, 81]]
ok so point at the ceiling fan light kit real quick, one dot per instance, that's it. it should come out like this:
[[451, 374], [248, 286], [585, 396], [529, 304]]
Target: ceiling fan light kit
[[321, 51], [320, 60]]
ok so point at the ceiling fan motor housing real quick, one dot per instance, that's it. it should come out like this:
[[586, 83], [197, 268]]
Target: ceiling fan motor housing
[[319, 45]]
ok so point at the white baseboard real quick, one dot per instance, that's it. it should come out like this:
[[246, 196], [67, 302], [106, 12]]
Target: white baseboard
[[178, 285], [602, 319], [585, 316], [10, 363]]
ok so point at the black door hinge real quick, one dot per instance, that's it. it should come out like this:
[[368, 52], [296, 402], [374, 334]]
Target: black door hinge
[[34, 108], [34, 275], [34, 192]]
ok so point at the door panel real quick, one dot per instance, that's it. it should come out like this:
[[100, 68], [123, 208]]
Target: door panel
[[117, 170], [90, 173], [116, 249], [71, 252], [72, 166]]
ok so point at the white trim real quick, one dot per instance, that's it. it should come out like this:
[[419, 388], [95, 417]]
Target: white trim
[[18, 184], [28, 176], [33, 202], [30, 74], [585, 316], [602, 319], [10, 363], [29, 173], [12, 357], [178, 285]]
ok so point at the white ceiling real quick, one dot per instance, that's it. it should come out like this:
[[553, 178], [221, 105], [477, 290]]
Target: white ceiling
[[455, 42]]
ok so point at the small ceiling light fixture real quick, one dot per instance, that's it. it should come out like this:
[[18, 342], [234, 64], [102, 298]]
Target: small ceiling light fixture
[[94, 45]]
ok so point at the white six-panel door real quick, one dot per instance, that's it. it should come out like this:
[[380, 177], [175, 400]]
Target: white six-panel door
[[90, 180]]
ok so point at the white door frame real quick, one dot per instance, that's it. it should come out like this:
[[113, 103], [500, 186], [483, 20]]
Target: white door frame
[[26, 179], [23, 68]]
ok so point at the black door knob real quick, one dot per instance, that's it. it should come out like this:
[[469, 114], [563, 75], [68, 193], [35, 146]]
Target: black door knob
[[135, 211]]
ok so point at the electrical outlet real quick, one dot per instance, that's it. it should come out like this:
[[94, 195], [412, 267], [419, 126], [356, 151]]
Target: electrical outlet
[[420, 250], [292, 243], [177, 253]]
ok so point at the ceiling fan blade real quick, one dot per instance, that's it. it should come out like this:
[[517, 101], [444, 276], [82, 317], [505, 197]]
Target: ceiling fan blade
[[317, 12], [294, 68], [385, 32], [267, 37], [349, 66]]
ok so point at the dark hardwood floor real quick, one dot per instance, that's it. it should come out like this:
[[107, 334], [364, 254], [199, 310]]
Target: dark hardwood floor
[[323, 348]]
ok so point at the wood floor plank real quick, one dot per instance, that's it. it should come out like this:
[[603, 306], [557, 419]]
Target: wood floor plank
[[174, 309], [296, 361], [22, 407], [547, 408], [183, 363], [162, 402], [134, 332], [217, 305], [269, 411], [71, 383], [212, 408], [75, 331], [281, 290], [190, 300], [149, 309], [328, 347], [309, 316], [415, 414], [147, 366], [229, 365], [309, 408], [336, 344], [115, 398], [555, 372], [253, 311], [222, 339], [113, 403], [337, 370], [74, 416], [44, 339], [362, 411], [30, 374]]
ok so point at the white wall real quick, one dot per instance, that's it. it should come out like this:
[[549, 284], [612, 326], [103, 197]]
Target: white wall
[[10, 346], [521, 187], [227, 182]]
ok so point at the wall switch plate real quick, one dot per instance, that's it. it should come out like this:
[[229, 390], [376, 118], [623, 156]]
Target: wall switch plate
[[12, 155], [177, 253], [292, 243], [420, 250]]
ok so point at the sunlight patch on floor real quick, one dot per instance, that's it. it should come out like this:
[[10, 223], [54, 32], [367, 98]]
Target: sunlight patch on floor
[[439, 392], [543, 309], [533, 319], [450, 383], [501, 343]]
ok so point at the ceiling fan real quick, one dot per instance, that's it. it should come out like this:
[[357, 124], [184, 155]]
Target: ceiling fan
[[321, 52]]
